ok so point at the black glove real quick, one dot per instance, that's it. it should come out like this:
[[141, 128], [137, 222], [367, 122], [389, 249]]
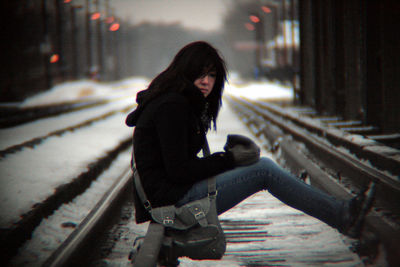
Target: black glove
[[244, 150]]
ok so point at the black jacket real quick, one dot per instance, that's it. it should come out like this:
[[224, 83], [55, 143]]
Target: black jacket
[[168, 136]]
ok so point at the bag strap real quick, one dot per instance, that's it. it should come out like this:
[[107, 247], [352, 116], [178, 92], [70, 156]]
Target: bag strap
[[212, 187], [139, 189], [212, 190]]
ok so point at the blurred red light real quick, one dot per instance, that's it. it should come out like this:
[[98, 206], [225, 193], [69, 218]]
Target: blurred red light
[[266, 9], [109, 19], [249, 26], [54, 58], [95, 16], [67, 1], [254, 19], [114, 27]]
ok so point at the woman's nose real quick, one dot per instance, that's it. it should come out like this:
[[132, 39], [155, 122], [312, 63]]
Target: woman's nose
[[205, 79]]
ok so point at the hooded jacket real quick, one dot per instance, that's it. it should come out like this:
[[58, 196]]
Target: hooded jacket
[[168, 135]]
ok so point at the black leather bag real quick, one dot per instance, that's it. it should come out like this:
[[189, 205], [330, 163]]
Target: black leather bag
[[192, 230]]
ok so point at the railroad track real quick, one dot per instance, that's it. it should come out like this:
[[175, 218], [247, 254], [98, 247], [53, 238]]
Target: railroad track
[[315, 152], [60, 131], [44, 143], [331, 169], [74, 250], [14, 116], [79, 242]]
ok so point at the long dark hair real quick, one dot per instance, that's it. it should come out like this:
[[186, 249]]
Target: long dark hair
[[191, 62]]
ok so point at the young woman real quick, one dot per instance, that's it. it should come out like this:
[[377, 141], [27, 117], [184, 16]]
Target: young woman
[[171, 121]]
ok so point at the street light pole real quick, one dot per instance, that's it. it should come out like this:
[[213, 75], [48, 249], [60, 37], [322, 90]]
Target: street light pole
[[99, 41], [73, 44], [88, 39], [45, 46], [59, 46], [285, 47], [108, 60], [294, 54]]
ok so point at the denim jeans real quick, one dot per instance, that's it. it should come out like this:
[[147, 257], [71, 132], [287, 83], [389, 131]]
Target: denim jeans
[[236, 185]]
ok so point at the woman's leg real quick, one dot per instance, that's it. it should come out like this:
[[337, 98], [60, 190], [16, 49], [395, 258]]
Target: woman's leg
[[238, 184]]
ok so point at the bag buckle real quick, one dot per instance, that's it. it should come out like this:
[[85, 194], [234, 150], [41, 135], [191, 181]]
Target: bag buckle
[[168, 221], [147, 205], [199, 215], [213, 194]]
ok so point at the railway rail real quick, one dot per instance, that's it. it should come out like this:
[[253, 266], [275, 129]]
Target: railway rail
[[38, 139], [73, 250], [14, 116], [311, 156], [49, 124], [314, 151]]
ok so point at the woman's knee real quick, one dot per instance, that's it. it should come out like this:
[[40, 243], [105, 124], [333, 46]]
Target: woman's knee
[[262, 164], [267, 167], [265, 162], [272, 167]]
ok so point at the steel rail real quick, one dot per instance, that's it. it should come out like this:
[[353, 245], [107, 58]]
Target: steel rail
[[13, 238], [17, 115], [11, 117], [261, 122], [388, 187], [40, 139], [70, 251], [368, 148]]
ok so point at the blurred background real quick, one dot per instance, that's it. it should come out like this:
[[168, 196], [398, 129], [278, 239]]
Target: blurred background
[[48, 42]]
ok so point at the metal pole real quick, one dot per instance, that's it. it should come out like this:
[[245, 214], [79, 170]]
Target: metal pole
[[276, 33], [99, 42], [88, 39], [47, 74], [259, 29], [285, 52], [107, 53], [116, 46], [59, 47], [73, 44], [294, 58]]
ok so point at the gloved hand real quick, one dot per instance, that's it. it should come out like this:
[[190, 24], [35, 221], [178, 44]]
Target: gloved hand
[[243, 149]]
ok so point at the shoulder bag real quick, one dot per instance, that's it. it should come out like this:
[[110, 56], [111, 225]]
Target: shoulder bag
[[192, 230]]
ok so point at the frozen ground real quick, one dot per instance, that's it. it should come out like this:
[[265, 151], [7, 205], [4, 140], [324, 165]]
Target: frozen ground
[[30, 176]]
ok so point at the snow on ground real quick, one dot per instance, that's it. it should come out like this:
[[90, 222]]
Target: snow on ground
[[50, 233], [87, 90], [30, 176], [90, 90], [259, 90]]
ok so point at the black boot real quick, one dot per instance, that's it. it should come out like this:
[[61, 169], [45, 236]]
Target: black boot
[[359, 207]]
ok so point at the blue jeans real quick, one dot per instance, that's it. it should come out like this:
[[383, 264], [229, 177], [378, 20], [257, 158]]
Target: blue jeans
[[236, 185]]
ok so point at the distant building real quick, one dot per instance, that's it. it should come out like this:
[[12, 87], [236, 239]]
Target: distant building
[[283, 50]]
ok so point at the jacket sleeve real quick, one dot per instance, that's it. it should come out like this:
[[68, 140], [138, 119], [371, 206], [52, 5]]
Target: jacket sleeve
[[172, 120]]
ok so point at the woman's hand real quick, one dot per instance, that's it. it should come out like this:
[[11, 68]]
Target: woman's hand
[[244, 150]]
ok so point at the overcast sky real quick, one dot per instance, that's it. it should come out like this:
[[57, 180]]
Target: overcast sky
[[198, 14]]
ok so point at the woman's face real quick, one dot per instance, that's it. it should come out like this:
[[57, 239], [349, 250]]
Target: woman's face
[[205, 83]]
